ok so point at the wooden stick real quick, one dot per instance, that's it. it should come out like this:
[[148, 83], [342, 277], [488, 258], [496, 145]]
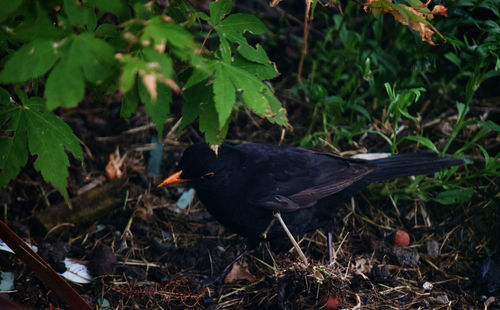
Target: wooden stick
[[42, 270]]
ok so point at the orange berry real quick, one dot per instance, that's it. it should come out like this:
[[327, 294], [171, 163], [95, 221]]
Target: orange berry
[[401, 239], [328, 302]]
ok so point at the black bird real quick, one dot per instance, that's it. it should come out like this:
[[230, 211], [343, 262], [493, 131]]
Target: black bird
[[244, 185]]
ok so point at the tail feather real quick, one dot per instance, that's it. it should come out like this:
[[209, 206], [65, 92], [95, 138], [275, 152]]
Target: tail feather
[[409, 164]]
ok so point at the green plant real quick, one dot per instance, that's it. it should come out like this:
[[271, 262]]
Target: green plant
[[352, 90], [52, 52]]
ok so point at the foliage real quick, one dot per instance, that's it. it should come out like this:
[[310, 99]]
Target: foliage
[[45, 135], [364, 78], [370, 79], [63, 48]]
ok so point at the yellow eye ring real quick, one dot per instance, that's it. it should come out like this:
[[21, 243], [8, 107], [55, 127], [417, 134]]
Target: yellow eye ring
[[208, 175]]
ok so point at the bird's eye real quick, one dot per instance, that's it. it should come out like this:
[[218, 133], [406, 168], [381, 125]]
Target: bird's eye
[[208, 175]]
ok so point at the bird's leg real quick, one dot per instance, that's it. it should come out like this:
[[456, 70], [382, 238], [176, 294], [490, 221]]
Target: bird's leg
[[263, 235], [330, 247], [289, 234]]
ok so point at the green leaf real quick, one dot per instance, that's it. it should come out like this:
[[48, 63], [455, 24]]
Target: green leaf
[[65, 86], [462, 112], [88, 58], [46, 136], [253, 89], [422, 140], [225, 50], [255, 94], [278, 113], [8, 7], [175, 35], [37, 24], [454, 59], [79, 15], [485, 155], [129, 102], [161, 62], [196, 77], [192, 98], [94, 56], [159, 109], [257, 54], [4, 98], [209, 124], [129, 71], [455, 196], [13, 150], [107, 31], [390, 91], [386, 138], [234, 26], [491, 125], [219, 9], [402, 101], [261, 71], [224, 93], [30, 61]]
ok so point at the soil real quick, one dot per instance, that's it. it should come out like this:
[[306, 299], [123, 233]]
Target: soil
[[149, 253]]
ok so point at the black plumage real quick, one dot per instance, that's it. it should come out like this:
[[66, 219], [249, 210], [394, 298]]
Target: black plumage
[[243, 185]]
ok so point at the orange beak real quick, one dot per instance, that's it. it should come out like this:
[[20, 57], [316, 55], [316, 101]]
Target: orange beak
[[172, 180]]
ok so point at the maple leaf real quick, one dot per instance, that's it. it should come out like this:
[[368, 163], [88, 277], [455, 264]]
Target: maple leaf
[[42, 133]]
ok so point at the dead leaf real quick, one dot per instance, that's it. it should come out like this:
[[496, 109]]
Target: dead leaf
[[149, 80], [440, 10], [409, 16], [362, 266], [170, 83], [114, 164], [160, 48], [238, 273]]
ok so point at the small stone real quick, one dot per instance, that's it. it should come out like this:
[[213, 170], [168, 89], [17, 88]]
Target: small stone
[[103, 261], [441, 299], [432, 248], [427, 286], [405, 257]]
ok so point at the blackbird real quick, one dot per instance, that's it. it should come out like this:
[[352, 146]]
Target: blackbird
[[244, 185]]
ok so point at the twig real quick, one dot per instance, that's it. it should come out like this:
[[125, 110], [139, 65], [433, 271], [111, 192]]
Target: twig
[[263, 235], [289, 234], [303, 51]]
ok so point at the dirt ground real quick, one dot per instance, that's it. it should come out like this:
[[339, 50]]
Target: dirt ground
[[147, 253]]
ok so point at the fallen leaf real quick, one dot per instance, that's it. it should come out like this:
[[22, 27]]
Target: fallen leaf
[[113, 167], [238, 273]]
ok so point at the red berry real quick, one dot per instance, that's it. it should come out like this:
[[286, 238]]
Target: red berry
[[401, 239], [328, 302]]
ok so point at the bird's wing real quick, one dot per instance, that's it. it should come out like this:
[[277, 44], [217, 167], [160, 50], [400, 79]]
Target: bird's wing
[[288, 179]]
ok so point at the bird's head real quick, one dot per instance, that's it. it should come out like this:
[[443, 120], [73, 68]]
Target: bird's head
[[201, 168]]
